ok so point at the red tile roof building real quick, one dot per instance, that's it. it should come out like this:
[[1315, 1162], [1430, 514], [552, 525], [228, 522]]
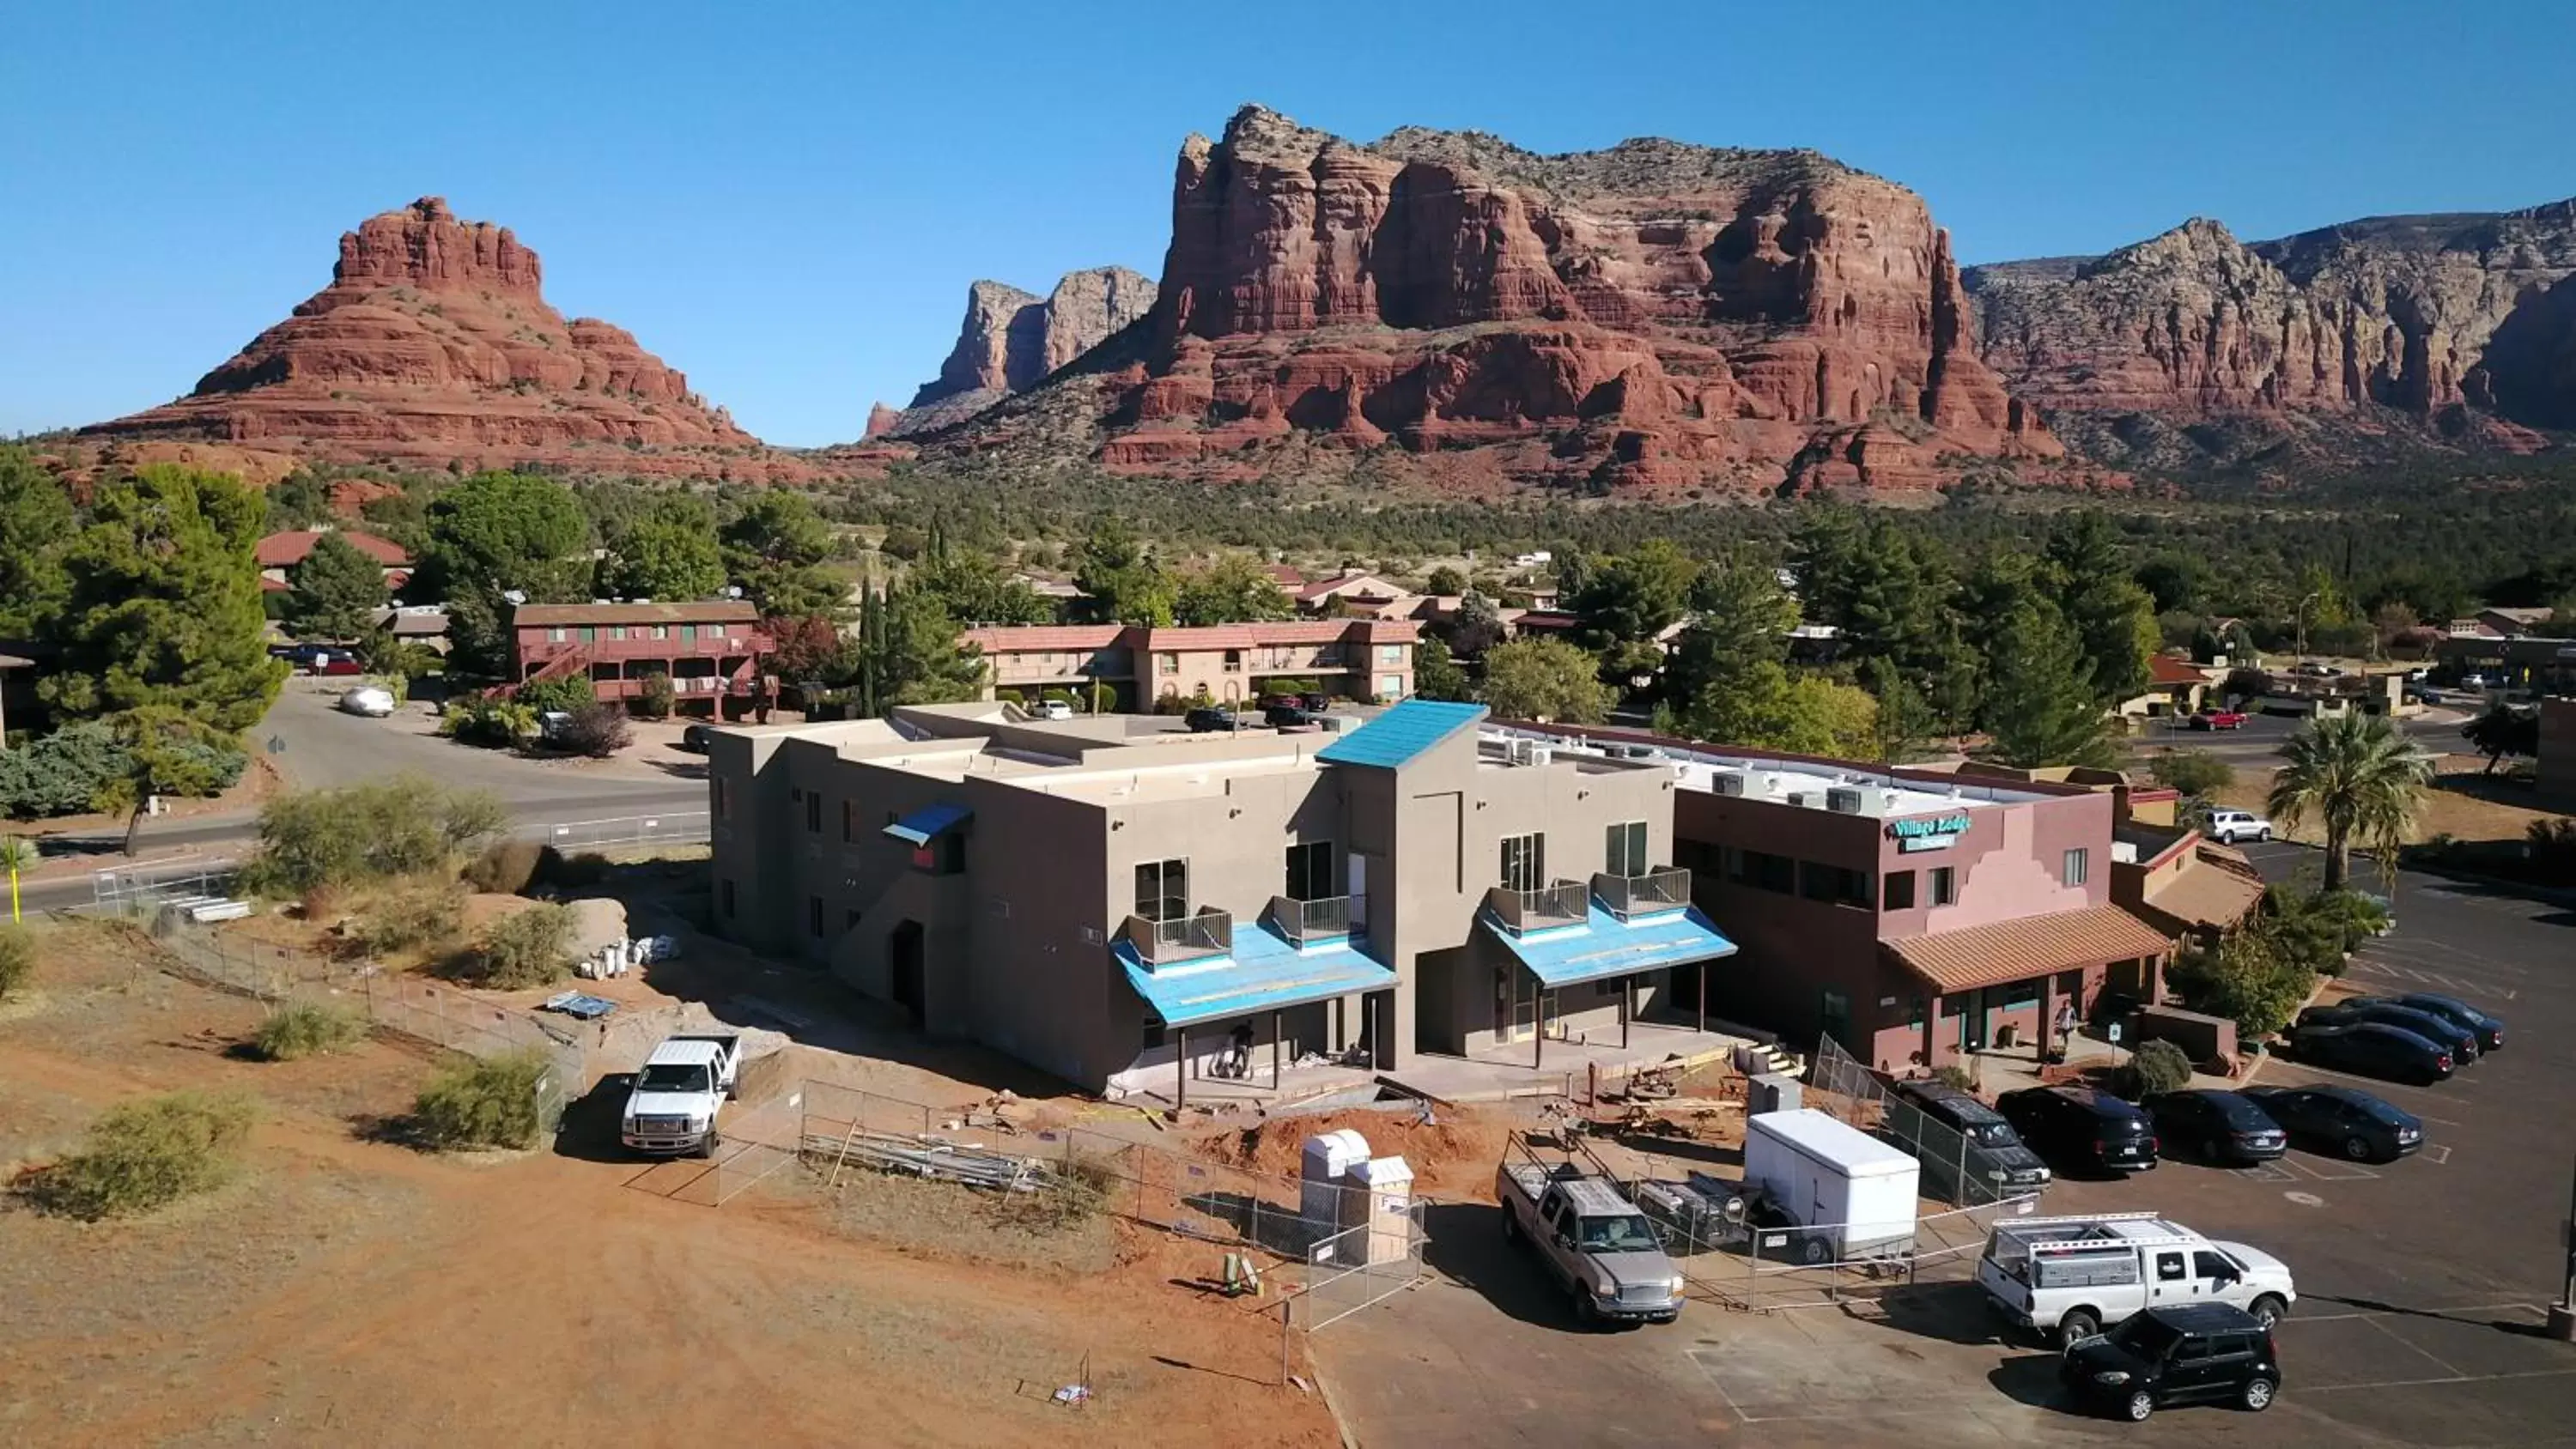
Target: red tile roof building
[[707, 649], [1135, 665]]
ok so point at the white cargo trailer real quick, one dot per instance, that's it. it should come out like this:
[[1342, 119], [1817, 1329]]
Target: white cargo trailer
[[1855, 1193]]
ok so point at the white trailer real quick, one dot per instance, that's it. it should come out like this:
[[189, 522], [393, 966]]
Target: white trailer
[[1853, 1192]]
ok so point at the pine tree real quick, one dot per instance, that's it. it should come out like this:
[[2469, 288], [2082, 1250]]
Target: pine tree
[[335, 591], [668, 553], [36, 525], [2043, 709]]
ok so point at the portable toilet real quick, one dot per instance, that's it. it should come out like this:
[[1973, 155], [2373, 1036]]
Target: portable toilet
[[1324, 1179], [1386, 1200]]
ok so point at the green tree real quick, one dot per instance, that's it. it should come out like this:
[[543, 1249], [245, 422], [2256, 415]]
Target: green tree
[[667, 553], [1744, 623], [2113, 618], [1767, 707], [2193, 772], [301, 499], [2245, 977], [974, 588], [914, 656], [1635, 596], [167, 752], [1906, 721], [2043, 710], [164, 607], [501, 532], [1435, 674], [1545, 679], [1125, 582], [2503, 729], [36, 525], [1446, 582], [1233, 589], [335, 592], [2359, 778], [775, 549], [1477, 626]]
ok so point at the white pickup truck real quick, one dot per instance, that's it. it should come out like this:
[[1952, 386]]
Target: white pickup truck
[[2076, 1276], [685, 1083]]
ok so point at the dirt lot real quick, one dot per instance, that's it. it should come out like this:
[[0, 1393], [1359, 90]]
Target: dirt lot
[[349, 1290], [2464, 803]]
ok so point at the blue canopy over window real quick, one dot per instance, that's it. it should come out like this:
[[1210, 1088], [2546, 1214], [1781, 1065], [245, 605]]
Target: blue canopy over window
[[919, 826]]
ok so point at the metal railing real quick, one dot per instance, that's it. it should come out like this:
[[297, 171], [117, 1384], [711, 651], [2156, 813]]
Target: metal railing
[[1326, 918], [1668, 889], [1202, 933], [1558, 903], [675, 825]]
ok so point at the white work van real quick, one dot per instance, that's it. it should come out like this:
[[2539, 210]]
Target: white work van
[[2076, 1276], [1850, 1195]]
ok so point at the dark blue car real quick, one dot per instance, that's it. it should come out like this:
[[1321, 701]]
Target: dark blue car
[[2343, 1119], [2489, 1029], [2434, 1027], [2372, 1049]]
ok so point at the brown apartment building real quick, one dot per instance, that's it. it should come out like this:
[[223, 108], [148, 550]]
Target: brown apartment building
[[1135, 910], [1127, 667]]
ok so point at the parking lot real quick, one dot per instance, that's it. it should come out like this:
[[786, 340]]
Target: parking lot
[[2422, 1282]]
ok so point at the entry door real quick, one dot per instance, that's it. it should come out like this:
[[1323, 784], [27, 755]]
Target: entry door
[[1516, 1003]]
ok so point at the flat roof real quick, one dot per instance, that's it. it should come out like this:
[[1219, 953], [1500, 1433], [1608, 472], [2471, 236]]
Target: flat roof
[[1821, 1133], [1884, 794]]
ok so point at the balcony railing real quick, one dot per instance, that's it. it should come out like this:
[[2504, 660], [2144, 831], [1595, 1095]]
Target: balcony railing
[[1558, 903], [1204, 933], [1306, 923], [1644, 895]]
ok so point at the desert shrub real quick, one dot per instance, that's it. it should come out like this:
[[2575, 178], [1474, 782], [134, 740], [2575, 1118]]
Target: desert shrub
[[307, 1029], [1954, 1077], [506, 867], [410, 916], [1068, 1197], [145, 1154], [598, 730], [2193, 772], [2156, 1066], [526, 948], [572, 872], [365, 833], [17, 959], [656, 698], [79, 768], [566, 693], [495, 724], [483, 1102]]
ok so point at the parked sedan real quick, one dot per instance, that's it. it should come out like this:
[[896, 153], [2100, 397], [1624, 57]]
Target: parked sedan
[[1209, 721], [2081, 1127], [2346, 1119], [2488, 1029], [2374, 1049], [2218, 719], [2440, 1030], [368, 700], [2221, 1126]]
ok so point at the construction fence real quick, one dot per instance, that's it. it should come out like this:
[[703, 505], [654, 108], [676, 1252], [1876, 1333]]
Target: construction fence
[[1954, 1170], [673, 827]]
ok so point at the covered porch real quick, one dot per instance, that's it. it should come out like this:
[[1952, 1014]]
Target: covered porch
[[1228, 1016], [1582, 967], [2013, 985]]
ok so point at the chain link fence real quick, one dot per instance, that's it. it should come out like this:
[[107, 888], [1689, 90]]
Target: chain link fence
[[678, 826], [1956, 1168], [1362, 1265]]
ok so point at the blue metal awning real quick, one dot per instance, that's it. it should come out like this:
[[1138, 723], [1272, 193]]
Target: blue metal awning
[[1263, 974], [1603, 945], [1402, 734], [919, 826]]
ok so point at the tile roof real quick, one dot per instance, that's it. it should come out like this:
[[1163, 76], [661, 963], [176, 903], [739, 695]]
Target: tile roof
[[2165, 669], [1371, 583], [1020, 638], [2204, 893], [1400, 735], [285, 550], [705, 611], [2027, 946]]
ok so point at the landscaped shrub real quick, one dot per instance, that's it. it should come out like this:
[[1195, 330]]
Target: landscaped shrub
[[598, 730], [526, 948], [655, 698], [307, 1029], [506, 867], [411, 915], [2156, 1066], [366, 833], [1958, 1077], [144, 1154], [484, 1103], [17, 959], [567, 693], [495, 724], [80, 767]]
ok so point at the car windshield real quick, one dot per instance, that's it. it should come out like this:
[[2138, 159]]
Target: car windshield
[[673, 1077], [1992, 1134], [2145, 1336], [1626, 1233]]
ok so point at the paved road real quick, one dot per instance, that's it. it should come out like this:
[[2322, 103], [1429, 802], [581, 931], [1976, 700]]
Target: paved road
[[2422, 1282], [2258, 744]]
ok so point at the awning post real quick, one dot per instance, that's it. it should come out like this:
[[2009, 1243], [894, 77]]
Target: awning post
[[1181, 1071], [1627, 995], [1274, 1050]]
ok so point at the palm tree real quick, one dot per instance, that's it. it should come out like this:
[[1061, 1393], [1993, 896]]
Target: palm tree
[[2362, 780]]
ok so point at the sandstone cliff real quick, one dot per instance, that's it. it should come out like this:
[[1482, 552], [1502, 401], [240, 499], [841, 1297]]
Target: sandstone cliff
[[1655, 314], [434, 344], [2462, 321], [1011, 341]]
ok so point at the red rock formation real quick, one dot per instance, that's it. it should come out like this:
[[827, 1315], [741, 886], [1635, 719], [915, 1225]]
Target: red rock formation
[[1011, 341], [434, 344], [1655, 314]]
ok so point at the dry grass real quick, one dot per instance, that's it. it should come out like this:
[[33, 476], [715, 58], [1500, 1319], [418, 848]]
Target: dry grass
[[2463, 803]]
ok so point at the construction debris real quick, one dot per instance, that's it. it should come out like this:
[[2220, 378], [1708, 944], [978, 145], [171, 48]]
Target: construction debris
[[925, 1156]]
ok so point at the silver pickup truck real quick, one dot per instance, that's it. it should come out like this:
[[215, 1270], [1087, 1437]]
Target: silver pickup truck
[[1593, 1239]]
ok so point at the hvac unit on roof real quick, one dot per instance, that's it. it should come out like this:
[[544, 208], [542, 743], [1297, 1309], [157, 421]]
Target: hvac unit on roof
[[1797, 797], [1540, 754], [1843, 800], [1726, 782]]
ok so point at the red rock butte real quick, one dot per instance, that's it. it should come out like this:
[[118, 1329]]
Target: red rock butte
[[434, 344], [1653, 315]]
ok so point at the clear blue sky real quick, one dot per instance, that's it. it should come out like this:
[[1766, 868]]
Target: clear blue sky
[[787, 201]]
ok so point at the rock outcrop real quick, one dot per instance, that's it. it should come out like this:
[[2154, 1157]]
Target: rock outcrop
[[1655, 315], [1011, 341], [434, 344], [2462, 321]]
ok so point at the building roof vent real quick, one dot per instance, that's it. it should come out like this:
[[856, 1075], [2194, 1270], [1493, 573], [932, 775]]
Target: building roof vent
[[1726, 782], [1843, 800], [1797, 797]]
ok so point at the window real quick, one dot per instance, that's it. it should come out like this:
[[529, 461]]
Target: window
[[2170, 1269], [849, 821], [1627, 848], [727, 893], [1390, 685], [1233, 661], [590, 633], [1897, 892], [1524, 862], [1171, 664], [1310, 871], [617, 632], [1390, 654], [2021, 993], [555, 635], [814, 812], [2072, 869], [1945, 890], [688, 633], [814, 916], [661, 631], [1163, 889], [1770, 872], [2211, 1265], [1833, 884], [713, 631]]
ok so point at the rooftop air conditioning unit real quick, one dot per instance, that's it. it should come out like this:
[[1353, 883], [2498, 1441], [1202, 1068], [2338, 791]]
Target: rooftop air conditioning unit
[[1797, 797], [1540, 755], [1726, 782], [1516, 750], [1843, 800]]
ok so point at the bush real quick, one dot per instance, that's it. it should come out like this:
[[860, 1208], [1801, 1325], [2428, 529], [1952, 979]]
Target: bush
[[506, 867], [17, 959], [414, 915], [484, 1103], [526, 948], [495, 724], [598, 730], [1066, 1198], [76, 769], [306, 1030], [656, 698], [145, 1154], [1954, 1077], [2193, 772], [567, 693], [2156, 1066], [397, 685], [572, 872], [367, 833], [2247, 977]]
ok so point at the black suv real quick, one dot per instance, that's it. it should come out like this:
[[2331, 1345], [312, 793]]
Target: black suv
[[1924, 1116], [2192, 1353], [1287, 716], [2081, 1127], [1208, 721]]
